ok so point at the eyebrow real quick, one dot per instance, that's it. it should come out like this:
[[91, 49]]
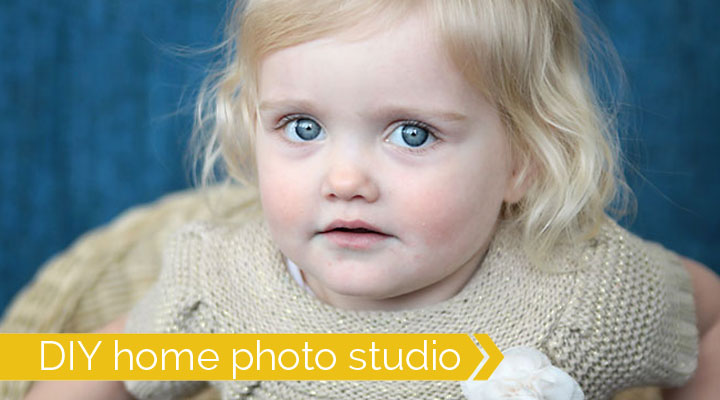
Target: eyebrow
[[382, 111], [442, 115], [281, 104]]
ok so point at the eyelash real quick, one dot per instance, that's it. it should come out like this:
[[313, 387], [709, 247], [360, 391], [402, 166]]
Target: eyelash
[[290, 118], [411, 122]]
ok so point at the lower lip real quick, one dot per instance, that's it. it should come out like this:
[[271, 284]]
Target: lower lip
[[353, 240]]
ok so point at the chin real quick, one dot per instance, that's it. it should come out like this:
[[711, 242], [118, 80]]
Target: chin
[[365, 289], [363, 279]]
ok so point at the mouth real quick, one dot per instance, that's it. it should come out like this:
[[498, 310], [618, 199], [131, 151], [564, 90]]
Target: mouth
[[356, 235], [355, 226]]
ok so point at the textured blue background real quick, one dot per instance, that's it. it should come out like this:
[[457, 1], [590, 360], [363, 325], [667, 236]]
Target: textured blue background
[[94, 119]]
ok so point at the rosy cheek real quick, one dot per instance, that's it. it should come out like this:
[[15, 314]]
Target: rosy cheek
[[451, 209], [429, 215], [279, 192]]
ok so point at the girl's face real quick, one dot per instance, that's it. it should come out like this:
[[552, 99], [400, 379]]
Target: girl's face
[[381, 171]]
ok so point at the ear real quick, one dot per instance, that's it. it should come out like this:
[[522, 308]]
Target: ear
[[519, 182]]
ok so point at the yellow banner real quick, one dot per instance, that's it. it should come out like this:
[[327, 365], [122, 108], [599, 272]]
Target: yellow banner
[[213, 357]]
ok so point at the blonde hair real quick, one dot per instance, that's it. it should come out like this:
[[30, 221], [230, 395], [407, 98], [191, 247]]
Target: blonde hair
[[531, 58]]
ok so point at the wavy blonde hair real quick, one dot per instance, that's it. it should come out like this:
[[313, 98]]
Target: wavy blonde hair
[[531, 58]]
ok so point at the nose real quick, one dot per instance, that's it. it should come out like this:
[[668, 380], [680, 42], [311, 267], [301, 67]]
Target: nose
[[348, 179]]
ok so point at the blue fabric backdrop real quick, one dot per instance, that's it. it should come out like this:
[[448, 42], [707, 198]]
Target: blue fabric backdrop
[[94, 116]]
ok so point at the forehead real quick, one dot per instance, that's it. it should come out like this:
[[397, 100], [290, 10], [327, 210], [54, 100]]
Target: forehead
[[404, 62]]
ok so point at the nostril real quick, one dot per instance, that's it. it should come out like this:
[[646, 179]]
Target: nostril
[[349, 182]]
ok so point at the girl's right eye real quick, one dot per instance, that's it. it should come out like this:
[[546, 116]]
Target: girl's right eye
[[303, 130]]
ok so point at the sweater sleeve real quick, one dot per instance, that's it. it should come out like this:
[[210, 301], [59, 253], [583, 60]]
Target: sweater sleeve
[[631, 321], [174, 304]]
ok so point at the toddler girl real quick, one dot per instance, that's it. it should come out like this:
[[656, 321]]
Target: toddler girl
[[421, 166]]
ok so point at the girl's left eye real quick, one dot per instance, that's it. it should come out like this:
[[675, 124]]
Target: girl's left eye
[[411, 135]]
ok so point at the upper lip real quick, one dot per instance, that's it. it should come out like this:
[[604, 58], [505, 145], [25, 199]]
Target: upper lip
[[354, 224]]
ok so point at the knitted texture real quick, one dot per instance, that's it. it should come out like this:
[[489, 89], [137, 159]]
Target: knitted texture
[[616, 312], [107, 270]]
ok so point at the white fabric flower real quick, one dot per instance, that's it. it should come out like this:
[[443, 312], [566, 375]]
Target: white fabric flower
[[524, 374]]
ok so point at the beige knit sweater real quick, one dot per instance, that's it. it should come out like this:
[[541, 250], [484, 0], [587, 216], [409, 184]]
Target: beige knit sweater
[[618, 313]]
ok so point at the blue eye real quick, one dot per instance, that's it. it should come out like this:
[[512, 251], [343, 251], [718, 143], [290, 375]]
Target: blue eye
[[303, 130], [411, 135]]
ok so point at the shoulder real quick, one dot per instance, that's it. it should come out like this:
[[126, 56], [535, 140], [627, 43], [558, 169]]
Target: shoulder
[[203, 253], [216, 238], [631, 319], [632, 276], [625, 266], [219, 228], [199, 261]]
